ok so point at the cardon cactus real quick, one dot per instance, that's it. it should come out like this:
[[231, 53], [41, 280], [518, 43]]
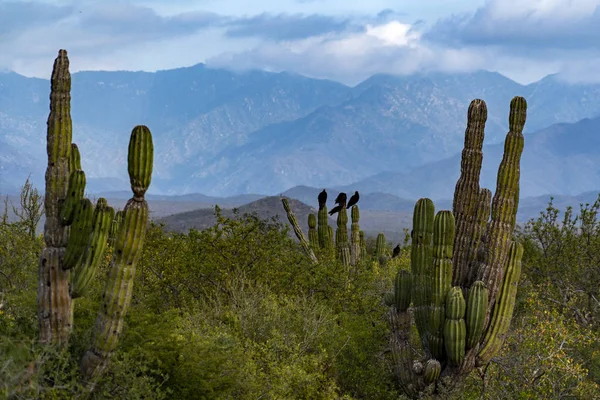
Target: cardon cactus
[[355, 249], [402, 290], [381, 249], [323, 228], [341, 237], [76, 232], [313, 236], [464, 266]]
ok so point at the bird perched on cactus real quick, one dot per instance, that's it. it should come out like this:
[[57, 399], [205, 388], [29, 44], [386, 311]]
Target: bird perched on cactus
[[341, 198], [336, 209], [322, 199], [353, 200], [396, 251]]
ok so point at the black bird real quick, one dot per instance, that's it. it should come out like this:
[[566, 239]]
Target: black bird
[[335, 209], [353, 199], [396, 251], [322, 199], [341, 198]]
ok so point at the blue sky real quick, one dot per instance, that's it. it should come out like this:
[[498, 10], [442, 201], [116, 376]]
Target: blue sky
[[344, 40]]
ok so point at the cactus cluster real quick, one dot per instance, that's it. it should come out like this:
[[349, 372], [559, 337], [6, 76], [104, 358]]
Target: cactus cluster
[[464, 267], [77, 233], [322, 239]]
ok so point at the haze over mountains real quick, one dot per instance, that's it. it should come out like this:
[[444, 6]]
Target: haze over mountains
[[222, 133]]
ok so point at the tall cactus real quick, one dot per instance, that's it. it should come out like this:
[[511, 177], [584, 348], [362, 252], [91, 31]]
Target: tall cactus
[[464, 254], [341, 237], [323, 228], [421, 261], [313, 236], [76, 232], [355, 249], [441, 279]]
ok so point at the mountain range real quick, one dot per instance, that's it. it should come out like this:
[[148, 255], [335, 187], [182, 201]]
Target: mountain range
[[224, 133]]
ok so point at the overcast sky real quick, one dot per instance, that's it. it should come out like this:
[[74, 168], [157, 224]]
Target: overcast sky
[[344, 40]]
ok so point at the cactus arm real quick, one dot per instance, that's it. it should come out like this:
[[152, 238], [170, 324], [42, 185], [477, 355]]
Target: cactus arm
[[455, 330], [504, 307], [116, 223], [402, 290], [466, 194], [80, 233], [313, 236], [85, 271], [477, 304], [298, 231]]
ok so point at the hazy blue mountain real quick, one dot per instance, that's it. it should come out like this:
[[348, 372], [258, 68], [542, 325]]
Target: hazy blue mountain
[[390, 124], [223, 133]]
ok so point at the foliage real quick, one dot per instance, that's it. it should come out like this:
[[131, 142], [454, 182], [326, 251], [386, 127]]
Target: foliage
[[239, 311]]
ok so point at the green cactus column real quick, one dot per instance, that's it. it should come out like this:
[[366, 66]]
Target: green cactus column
[[455, 329], [355, 249], [128, 250], [313, 236], [441, 279], [323, 228], [54, 302], [381, 249], [466, 194], [363, 246], [421, 261], [341, 237], [504, 307]]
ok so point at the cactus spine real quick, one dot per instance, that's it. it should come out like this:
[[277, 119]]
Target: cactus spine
[[76, 232], [464, 253]]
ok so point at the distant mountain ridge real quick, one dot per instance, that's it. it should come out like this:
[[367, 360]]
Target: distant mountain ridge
[[223, 133]]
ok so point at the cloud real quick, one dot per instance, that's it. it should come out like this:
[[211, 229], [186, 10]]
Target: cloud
[[392, 47], [286, 27], [90, 30], [541, 24], [17, 17]]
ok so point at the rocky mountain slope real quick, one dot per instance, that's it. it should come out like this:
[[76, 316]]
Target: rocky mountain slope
[[222, 133]]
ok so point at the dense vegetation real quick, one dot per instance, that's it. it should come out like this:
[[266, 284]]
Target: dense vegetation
[[239, 311]]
